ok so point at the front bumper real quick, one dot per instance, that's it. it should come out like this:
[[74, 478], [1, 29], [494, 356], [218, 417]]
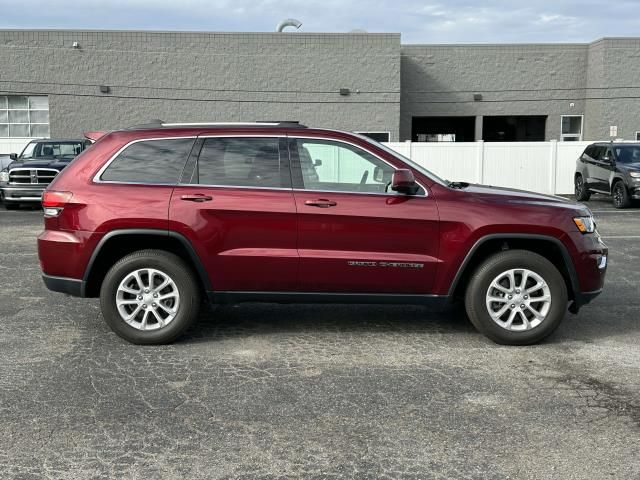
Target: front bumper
[[590, 263], [22, 193], [70, 286]]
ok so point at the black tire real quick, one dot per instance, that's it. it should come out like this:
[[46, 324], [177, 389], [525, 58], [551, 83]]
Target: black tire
[[581, 191], [492, 267], [620, 195], [177, 270]]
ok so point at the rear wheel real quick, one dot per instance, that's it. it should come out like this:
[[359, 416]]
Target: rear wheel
[[582, 192], [620, 195], [516, 297], [150, 297]]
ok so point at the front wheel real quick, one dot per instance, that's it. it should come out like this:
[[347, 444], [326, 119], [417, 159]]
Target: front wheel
[[620, 195], [516, 297], [150, 297], [582, 192]]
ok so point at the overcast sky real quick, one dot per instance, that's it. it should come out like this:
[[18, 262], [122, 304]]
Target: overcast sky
[[447, 21]]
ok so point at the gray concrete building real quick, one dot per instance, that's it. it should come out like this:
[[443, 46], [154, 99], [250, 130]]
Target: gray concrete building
[[522, 92], [63, 82]]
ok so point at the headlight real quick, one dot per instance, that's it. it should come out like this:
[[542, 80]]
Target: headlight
[[585, 224], [4, 176], [634, 174]]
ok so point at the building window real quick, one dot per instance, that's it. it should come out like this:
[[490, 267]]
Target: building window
[[443, 129], [377, 136], [637, 136], [571, 128], [22, 116], [436, 137], [514, 128]]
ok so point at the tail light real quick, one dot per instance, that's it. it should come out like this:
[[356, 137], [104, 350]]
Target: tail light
[[54, 202]]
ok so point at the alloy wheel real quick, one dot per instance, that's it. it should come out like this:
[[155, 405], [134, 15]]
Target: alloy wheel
[[518, 300], [579, 186], [618, 194], [147, 299]]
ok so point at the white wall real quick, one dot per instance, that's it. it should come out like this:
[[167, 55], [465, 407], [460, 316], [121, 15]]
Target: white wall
[[13, 145], [545, 167]]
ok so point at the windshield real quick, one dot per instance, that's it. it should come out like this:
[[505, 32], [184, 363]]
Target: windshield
[[64, 150], [406, 160], [28, 150], [627, 154]]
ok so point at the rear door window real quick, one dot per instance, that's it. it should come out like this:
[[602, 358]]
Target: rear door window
[[242, 162], [150, 161]]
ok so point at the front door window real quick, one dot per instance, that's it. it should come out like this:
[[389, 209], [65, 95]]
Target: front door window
[[340, 167]]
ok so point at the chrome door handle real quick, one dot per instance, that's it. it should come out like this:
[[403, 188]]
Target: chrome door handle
[[198, 197], [321, 202]]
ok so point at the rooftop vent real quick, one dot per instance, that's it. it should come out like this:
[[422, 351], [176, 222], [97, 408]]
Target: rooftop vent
[[289, 22]]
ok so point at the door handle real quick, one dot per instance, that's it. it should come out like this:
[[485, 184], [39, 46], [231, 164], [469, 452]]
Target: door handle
[[321, 202], [197, 197]]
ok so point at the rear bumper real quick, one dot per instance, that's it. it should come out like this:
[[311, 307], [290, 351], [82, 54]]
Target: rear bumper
[[65, 254], [70, 286], [22, 193]]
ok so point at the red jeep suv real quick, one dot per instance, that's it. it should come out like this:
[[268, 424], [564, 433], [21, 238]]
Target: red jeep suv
[[154, 218]]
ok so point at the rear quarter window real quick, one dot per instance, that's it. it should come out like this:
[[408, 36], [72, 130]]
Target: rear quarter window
[[150, 161]]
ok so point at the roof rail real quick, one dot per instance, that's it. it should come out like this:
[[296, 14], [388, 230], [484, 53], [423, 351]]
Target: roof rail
[[260, 123], [155, 123]]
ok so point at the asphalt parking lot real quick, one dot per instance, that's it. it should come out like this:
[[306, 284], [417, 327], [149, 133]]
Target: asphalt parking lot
[[274, 391]]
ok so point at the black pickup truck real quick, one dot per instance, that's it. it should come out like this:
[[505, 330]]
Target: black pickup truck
[[29, 173]]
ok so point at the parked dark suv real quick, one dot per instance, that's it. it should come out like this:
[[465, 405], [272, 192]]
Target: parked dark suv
[[610, 168], [154, 218], [29, 173]]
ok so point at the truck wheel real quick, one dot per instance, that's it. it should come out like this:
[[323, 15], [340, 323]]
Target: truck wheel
[[150, 297], [620, 195], [582, 192], [516, 297]]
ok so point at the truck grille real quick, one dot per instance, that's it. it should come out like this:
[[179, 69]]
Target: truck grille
[[32, 176]]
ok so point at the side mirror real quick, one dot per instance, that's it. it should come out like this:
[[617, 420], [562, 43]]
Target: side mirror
[[13, 156], [403, 181], [317, 163]]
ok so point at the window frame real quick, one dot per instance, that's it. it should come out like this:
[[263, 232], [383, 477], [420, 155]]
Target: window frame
[[199, 145], [576, 137], [296, 169], [98, 174]]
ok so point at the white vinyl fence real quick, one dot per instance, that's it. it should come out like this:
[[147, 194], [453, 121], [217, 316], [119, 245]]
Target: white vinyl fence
[[544, 167], [13, 145]]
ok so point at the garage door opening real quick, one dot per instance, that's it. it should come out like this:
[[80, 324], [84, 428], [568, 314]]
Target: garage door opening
[[516, 128], [443, 129]]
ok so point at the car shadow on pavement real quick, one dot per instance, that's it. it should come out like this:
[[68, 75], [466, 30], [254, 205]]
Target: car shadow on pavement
[[229, 321], [246, 320]]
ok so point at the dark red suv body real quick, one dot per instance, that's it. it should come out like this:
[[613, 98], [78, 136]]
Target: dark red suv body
[[284, 213]]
